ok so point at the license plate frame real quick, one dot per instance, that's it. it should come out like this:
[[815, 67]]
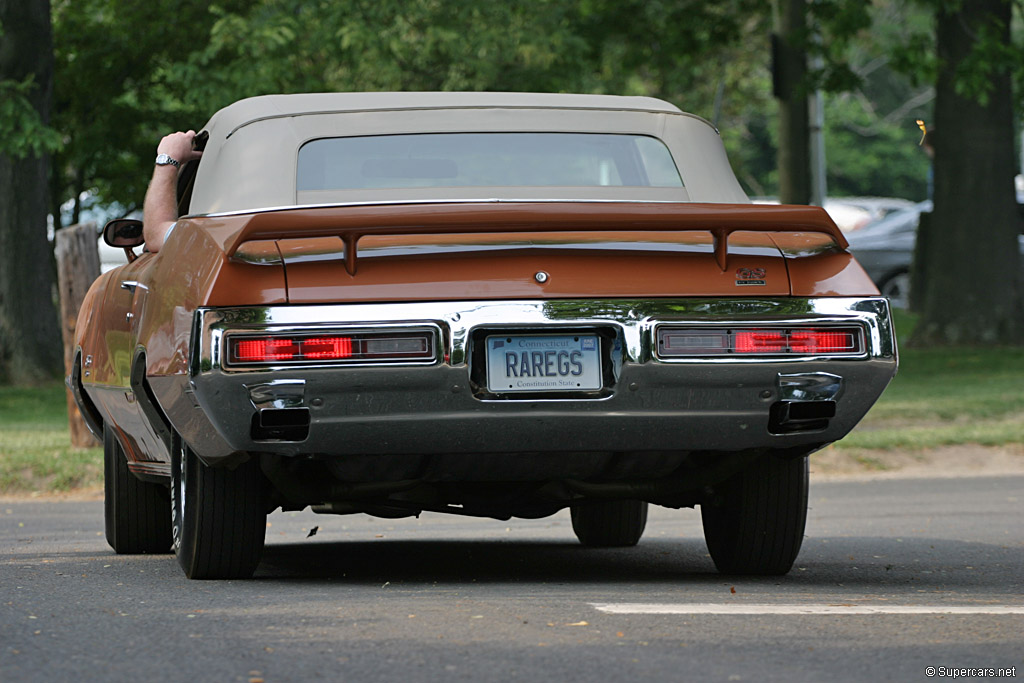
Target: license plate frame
[[544, 363]]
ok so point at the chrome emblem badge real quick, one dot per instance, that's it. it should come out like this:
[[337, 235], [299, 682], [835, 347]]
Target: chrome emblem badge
[[747, 277]]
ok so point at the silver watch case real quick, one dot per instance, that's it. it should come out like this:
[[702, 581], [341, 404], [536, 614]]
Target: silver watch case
[[167, 160]]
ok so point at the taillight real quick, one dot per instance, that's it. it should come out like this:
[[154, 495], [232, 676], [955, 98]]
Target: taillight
[[825, 341], [767, 341], [377, 347], [760, 341]]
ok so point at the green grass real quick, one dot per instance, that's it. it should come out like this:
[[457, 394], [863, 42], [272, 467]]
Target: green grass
[[35, 447], [940, 397], [944, 397]]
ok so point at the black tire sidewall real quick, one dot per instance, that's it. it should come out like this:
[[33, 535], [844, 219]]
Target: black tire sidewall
[[218, 531], [747, 529], [609, 524], [111, 456]]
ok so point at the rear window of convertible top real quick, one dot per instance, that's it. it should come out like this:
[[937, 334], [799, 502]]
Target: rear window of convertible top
[[486, 160]]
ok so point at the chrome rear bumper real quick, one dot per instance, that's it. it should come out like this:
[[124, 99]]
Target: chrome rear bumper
[[724, 403]]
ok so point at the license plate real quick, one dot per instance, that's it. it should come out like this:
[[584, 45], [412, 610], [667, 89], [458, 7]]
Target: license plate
[[543, 362]]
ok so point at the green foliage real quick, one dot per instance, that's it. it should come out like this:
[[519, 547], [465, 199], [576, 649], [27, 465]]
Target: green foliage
[[991, 55], [911, 43], [875, 153], [839, 24], [360, 45], [22, 131], [127, 73], [871, 131], [184, 60], [107, 101]]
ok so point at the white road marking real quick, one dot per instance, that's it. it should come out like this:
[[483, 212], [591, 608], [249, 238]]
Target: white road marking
[[840, 608]]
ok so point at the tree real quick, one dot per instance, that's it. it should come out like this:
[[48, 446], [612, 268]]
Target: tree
[[973, 289], [872, 138], [127, 73], [110, 104], [30, 343], [791, 80]]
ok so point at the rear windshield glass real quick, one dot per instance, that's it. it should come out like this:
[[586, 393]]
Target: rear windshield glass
[[486, 160]]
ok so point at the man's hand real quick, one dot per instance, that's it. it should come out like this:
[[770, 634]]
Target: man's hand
[[160, 209], [178, 146]]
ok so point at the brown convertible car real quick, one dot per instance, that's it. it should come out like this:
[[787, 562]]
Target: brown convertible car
[[500, 305]]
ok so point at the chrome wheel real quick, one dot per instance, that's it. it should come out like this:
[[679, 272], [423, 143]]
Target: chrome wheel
[[177, 491]]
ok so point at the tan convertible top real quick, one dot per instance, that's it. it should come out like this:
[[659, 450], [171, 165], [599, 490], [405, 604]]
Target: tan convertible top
[[250, 158], [253, 109]]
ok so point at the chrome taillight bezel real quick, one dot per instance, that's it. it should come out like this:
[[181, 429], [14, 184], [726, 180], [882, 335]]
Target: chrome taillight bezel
[[363, 347], [686, 341]]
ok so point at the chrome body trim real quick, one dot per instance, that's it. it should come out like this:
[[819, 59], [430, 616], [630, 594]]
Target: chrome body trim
[[277, 394], [407, 202], [131, 285], [811, 386], [711, 403]]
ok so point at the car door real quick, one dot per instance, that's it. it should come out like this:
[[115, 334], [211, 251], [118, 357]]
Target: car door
[[115, 359]]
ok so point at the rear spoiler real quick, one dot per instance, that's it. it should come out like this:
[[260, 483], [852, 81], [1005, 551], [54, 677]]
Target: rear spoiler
[[352, 222]]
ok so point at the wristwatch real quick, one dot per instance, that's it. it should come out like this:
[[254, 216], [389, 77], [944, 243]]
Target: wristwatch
[[167, 160]]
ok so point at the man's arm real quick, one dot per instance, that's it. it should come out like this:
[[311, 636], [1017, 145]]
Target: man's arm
[[160, 209]]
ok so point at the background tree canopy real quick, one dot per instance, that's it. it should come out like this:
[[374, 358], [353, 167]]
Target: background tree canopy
[[128, 72]]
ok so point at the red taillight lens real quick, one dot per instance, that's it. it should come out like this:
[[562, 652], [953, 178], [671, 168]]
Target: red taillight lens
[[327, 348], [759, 341], [691, 342], [823, 341], [261, 350], [367, 347]]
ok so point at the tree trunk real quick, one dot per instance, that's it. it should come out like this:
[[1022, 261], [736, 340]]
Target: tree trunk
[[30, 348], [78, 264], [791, 89], [973, 288]]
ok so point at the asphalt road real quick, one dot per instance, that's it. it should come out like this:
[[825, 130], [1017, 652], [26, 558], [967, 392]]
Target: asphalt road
[[452, 599]]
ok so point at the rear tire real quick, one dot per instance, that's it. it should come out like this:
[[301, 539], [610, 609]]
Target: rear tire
[[610, 523], [135, 512], [756, 523], [219, 516]]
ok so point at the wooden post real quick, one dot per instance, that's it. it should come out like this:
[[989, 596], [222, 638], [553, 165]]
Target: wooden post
[[78, 264]]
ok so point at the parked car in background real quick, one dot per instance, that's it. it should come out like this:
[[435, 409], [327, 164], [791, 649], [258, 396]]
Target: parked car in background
[[886, 251], [853, 213], [110, 257], [500, 305]]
